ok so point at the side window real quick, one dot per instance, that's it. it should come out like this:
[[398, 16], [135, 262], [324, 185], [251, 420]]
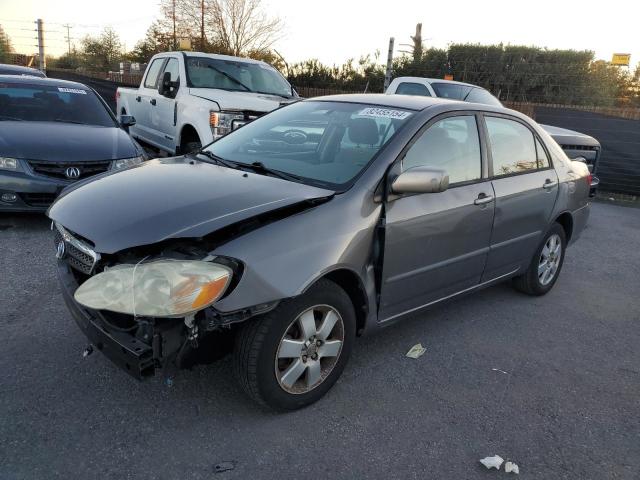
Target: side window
[[451, 144], [412, 88], [543, 159], [173, 67], [512, 146], [151, 81]]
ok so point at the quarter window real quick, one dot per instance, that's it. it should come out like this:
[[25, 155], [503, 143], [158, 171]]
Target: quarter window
[[412, 88], [451, 144], [512, 147], [151, 81]]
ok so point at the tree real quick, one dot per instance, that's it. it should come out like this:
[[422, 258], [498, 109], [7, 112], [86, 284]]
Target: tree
[[102, 52], [5, 46]]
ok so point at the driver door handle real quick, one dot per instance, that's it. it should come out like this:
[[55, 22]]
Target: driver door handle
[[138, 98], [483, 199], [549, 184], [152, 101]]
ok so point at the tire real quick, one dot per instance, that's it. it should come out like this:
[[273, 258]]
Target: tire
[[266, 378], [532, 282], [191, 147]]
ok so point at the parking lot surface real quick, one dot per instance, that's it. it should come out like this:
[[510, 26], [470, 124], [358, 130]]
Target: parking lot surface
[[551, 383]]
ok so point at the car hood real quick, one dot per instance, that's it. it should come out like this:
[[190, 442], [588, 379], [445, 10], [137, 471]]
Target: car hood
[[170, 198], [570, 137], [56, 141], [251, 101]]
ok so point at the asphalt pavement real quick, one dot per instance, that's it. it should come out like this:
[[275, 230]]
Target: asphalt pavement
[[551, 383]]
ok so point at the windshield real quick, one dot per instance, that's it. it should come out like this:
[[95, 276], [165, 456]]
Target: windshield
[[47, 103], [327, 144], [233, 75]]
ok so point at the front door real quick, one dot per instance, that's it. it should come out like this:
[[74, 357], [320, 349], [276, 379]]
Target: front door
[[526, 188], [436, 244], [163, 115]]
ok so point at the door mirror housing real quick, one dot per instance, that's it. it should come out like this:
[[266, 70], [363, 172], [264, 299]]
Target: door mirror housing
[[420, 180], [167, 88], [127, 121]]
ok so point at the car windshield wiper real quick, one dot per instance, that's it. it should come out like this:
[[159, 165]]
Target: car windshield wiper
[[63, 120], [217, 159], [230, 77], [259, 167], [282, 95], [8, 117]]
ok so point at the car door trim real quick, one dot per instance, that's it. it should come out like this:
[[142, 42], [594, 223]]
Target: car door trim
[[447, 297], [437, 265], [526, 236]]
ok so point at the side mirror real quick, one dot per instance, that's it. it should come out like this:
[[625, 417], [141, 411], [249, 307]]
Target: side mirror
[[421, 180], [166, 85], [127, 121]]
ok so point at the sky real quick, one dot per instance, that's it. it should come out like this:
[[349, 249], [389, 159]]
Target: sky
[[336, 30]]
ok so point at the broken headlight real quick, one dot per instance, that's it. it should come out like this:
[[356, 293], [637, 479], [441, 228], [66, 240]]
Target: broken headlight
[[162, 288]]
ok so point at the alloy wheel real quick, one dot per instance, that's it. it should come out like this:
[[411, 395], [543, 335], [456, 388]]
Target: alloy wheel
[[549, 259]]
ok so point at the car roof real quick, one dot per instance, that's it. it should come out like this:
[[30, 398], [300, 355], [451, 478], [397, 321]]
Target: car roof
[[398, 101], [19, 69], [54, 82], [214, 56], [433, 80]]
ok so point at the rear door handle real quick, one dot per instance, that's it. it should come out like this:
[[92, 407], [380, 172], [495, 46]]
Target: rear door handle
[[549, 184], [483, 198], [152, 101], [138, 98]]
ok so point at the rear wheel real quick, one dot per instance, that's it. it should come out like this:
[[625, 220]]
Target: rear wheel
[[293, 355], [545, 265]]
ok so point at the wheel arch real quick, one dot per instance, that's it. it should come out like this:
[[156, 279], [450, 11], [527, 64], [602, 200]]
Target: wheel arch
[[565, 219], [188, 133], [353, 285]]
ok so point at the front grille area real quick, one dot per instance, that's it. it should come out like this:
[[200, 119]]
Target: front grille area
[[59, 169], [76, 258], [38, 199]]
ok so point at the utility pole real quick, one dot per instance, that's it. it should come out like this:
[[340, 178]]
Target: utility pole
[[41, 58], [175, 42], [202, 26], [387, 75], [67, 26]]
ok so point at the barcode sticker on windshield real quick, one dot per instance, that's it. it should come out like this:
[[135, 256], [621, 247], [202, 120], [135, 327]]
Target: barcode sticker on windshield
[[72, 90], [384, 113]]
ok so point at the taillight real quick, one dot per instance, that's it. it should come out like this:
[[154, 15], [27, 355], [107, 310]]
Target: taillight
[[117, 95], [589, 179]]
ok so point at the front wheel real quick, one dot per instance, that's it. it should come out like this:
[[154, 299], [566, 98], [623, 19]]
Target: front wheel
[[545, 265], [291, 356]]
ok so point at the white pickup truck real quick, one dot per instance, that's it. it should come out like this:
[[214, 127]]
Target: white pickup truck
[[189, 99]]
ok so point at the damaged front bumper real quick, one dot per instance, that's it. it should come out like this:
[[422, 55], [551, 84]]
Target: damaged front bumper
[[139, 350]]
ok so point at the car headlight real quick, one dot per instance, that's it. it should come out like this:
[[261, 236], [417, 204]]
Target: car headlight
[[7, 163], [222, 123], [125, 162], [161, 288]]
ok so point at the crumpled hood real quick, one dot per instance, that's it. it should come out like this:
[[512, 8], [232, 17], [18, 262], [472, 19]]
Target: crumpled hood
[[570, 137], [55, 141], [170, 198], [256, 102]]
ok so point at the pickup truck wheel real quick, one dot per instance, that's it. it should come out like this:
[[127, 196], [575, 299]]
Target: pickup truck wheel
[[291, 356], [545, 265]]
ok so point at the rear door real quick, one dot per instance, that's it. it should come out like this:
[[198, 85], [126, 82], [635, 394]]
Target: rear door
[[526, 188], [144, 101], [436, 244], [163, 113]]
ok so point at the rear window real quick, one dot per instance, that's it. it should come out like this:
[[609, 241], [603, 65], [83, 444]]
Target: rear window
[[480, 95], [454, 91], [47, 103], [412, 88]]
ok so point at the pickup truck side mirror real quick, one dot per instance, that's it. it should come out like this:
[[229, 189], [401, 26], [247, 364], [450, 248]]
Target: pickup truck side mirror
[[166, 85], [421, 180], [127, 121]]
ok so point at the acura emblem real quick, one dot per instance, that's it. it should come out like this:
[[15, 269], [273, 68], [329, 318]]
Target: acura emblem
[[72, 172], [60, 250]]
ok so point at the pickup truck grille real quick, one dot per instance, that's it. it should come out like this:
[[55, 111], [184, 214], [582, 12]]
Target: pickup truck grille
[[76, 252], [63, 169]]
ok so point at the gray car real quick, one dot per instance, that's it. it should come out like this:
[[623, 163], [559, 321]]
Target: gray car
[[321, 221]]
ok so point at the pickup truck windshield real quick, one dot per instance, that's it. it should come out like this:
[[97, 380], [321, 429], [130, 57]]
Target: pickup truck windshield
[[326, 144], [48, 103], [233, 75]]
